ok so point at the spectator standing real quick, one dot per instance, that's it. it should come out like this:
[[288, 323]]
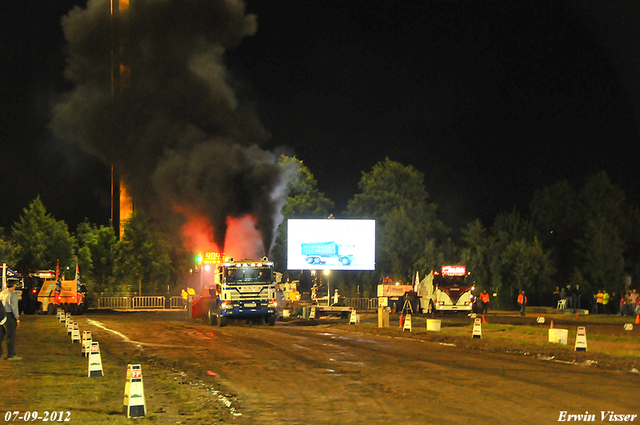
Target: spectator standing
[[9, 299], [522, 302], [569, 295], [577, 293], [484, 297], [556, 297], [633, 298], [599, 307], [605, 301]]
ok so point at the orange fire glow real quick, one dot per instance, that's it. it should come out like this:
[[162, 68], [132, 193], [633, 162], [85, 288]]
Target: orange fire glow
[[242, 239]]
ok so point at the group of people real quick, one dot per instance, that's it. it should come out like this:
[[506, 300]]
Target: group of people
[[629, 302], [9, 324], [569, 297]]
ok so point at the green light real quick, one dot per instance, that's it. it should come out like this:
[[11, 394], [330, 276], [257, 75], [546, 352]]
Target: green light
[[199, 259]]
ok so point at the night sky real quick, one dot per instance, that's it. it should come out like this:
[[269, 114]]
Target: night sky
[[490, 100]]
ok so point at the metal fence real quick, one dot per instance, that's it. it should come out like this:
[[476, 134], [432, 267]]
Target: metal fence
[[362, 303], [149, 302], [143, 302], [114, 302], [176, 302]]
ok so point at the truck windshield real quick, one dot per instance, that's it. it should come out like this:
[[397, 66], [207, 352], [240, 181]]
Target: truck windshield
[[451, 281], [249, 274]]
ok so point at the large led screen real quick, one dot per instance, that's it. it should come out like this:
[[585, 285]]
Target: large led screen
[[331, 244]]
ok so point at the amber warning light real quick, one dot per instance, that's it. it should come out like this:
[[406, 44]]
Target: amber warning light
[[454, 270]]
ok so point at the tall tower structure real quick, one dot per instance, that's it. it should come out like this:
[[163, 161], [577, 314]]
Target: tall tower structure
[[122, 204]]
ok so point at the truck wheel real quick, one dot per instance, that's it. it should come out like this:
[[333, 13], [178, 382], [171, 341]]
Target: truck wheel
[[81, 308], [271, 320], [310, 260], [51, 309], [316, 260], [211, 317], [219, 318], [345, 261], [432, 309]]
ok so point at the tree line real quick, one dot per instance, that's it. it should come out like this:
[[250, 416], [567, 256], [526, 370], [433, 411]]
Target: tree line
[[587, 236]]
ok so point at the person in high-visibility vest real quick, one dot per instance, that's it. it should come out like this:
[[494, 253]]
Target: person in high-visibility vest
[[599, 299], [522, 302], [605, 301], [484, 297]]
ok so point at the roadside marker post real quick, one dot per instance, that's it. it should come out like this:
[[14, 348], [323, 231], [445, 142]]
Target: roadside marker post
[[628, 326], [70, 327], [312, 315], [407, 323], [134, 401], [67, 317], [86, 343], [477, 329], [95, 360], [581, 339], [75, 334]]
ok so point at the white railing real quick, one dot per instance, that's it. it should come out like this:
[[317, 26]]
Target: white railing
[[149, 302], [178, 302], [362, 303], [114, 302]]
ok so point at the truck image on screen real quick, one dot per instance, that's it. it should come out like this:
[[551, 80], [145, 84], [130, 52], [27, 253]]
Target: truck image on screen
[[320, 252]]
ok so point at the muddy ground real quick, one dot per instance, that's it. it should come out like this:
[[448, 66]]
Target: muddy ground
[[329, 372]]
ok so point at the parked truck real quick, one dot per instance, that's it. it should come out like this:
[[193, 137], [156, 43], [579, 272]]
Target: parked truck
[[243, 289], [320, 252], [446, 290], [57, 293]]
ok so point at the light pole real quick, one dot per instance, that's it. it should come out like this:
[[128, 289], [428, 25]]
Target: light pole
[[199, 263], [327, 272]]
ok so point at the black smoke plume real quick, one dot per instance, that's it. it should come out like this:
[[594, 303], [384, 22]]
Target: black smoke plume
[[152, 98]]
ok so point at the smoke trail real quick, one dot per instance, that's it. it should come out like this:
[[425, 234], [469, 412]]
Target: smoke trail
[[171, 127]]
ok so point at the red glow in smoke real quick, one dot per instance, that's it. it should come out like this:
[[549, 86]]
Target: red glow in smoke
[[242, 239], [197, 233]]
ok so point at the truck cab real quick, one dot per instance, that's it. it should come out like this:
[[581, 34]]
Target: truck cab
[[243, 289], [446, 290]]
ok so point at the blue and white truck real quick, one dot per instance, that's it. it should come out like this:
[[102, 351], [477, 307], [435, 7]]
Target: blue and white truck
[[243, 289], [320, 252]]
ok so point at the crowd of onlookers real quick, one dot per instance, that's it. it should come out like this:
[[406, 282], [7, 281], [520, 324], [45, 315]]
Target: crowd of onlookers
[[627, 303]]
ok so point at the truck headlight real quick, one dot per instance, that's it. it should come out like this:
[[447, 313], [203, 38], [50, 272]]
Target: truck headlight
[[273, 303], [226, 305]]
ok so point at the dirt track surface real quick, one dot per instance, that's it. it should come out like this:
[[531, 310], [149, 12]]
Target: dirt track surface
[[334, 374]]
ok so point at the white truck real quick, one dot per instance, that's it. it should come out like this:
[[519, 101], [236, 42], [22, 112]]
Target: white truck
[[447, 290], [243, 289]]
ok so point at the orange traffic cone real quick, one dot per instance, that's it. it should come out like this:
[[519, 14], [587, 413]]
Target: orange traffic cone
[[638, 319], [483, 321], [551, 327], [577, 314]]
